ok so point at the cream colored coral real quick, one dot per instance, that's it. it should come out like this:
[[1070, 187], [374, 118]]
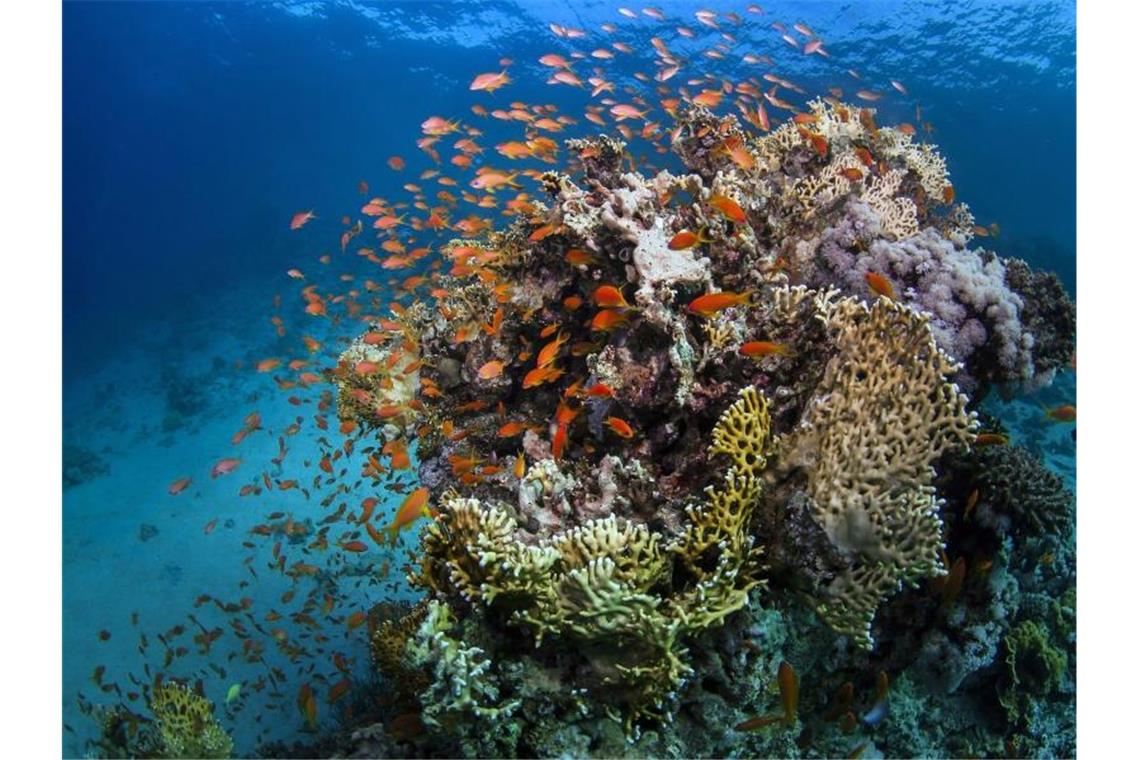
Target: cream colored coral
[[463, 678], [898, 216], [880, 417], [391, 386]]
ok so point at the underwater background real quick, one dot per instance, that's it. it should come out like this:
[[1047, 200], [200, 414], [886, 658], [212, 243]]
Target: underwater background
[[193, 132]]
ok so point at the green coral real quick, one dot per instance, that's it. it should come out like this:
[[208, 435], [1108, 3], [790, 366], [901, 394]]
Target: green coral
[[607, 588], [1034, 669], [186, 724]]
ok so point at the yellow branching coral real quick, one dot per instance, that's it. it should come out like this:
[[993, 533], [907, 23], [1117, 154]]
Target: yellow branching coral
[[611, 581], [186, 723], [882, 414]]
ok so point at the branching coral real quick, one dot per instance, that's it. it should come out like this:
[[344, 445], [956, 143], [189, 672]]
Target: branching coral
[[186, 724], [880, 418], [609, 585], [602, 451]]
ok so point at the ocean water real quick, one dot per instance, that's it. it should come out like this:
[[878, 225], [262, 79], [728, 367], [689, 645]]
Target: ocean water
[[194, 132]]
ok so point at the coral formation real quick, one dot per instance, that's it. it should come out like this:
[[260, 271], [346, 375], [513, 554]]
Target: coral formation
[[186, 723], [599, 586], [880, 418], [634, 434]]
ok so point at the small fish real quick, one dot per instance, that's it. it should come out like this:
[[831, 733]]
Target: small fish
[[789, 692], [619, 426], [852, 174], [711, 303], [971, 502], [758, 349], [1064, 413], [511, 429], [300, 219], [609, 297], [414, 507], [991, 439], [233, 692], [490, 82], [599, 390], [224, 467], [758, 722], [178, 486], [880, 285], [876, 714], [624, 111], [608, 319], [686, 239], [728, 207], [491, 370]]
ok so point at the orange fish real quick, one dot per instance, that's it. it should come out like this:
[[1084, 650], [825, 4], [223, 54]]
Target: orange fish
[[991, 439], [268, 365], [549, 352], [608, 319], [619, 426], [881, 285], [490, 82], [511, 429], [414, 507], [728, 207], [1065, 413], [599, 390], [558, 443], [711, 303], [608, 296], [686, 239], [224, 467], [300, 219], [491, 370], [178, 486], [540, 375], [758, 349]]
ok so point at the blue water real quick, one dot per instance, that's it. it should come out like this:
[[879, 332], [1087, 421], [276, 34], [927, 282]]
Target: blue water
[[194, 131]]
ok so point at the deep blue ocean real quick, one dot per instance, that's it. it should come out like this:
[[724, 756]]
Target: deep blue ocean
[[193, 132]]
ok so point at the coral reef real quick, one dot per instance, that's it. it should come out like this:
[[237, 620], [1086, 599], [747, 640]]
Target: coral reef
[[648, 447], [183, 726]]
